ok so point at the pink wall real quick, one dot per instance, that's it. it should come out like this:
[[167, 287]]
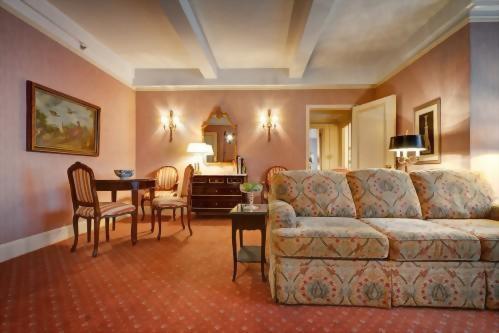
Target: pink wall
[[34, 194], [484, 123], [442, 72], [287, 146]]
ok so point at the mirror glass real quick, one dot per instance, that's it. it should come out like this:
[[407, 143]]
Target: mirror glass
[[220, 133]]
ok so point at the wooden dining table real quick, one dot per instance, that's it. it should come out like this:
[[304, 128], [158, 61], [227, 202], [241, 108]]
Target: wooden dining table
[[128, 184]]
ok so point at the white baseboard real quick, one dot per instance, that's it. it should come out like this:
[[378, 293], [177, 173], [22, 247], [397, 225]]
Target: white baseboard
[[32, 243]]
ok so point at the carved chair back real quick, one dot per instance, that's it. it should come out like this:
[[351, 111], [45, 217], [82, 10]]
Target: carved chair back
[[166, 178], [270, 173], [187, 182], [82, 183]]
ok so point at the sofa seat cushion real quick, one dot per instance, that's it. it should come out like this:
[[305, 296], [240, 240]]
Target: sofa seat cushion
[[487, 231], [383, 193], [314, 193], [419, 240], [453, 194], [329, 237]]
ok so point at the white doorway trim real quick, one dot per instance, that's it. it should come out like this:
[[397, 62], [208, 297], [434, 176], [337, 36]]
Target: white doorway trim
[[308, 108]]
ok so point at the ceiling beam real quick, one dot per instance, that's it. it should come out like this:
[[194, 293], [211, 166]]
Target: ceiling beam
[[184, 20], [308, 20]]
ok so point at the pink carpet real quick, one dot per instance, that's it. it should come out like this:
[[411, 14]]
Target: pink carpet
[[181, 284]]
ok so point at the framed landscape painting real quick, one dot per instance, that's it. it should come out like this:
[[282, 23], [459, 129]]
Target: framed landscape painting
[[427, 124], [59, 123]]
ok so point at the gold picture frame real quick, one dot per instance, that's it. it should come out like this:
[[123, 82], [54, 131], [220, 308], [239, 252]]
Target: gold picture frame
[[59, 123]]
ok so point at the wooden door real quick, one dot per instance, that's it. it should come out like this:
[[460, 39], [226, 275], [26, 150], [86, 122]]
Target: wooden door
[[373, 124]]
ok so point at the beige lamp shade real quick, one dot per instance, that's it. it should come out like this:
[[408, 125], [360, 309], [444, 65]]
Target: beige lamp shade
[[200, 148]]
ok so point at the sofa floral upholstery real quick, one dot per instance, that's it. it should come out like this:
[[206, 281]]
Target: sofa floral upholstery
[[440, 284], [282, 214], [383, 193], [487, 231], [413, 239], [492, 274], [452, 194], [320, 253], [341, 282], [329, 237], [314, 193]]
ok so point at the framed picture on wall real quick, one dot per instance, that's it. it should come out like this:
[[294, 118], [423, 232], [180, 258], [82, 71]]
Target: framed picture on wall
[[427, 124], [59, 123]]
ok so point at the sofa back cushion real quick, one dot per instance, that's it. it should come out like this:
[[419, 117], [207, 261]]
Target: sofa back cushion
[[383, 193], [453, 194], [314, 193]]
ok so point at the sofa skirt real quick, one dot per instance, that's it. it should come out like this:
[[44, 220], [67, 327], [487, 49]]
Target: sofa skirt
[[380, 283]]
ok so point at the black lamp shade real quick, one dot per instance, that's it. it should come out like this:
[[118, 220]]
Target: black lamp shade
[[406, 142]]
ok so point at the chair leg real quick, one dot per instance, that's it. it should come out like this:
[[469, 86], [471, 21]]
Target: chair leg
[[153, 222], [75, 229], [107, 229], [189, 219], [182, 217], [142, 206], [114, 223], [174, 214], [89, 230], [159, 223], [96, 235]]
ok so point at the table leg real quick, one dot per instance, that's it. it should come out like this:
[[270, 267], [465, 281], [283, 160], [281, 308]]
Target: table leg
[[113, 199], [135, 202], [234, 251], [262, 259], [241, 238], [153, 221]]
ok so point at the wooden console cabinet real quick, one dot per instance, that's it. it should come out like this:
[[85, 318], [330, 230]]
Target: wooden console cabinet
[[216, 194]]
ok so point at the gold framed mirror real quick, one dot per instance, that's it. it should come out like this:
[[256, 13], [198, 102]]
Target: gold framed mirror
[[221, 133]]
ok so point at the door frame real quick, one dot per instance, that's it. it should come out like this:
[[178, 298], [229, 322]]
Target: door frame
[[310, 107]]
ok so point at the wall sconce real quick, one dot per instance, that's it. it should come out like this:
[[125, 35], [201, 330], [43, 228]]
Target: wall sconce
[[229, 137], [268, 122], [402, 145], [170, 122]]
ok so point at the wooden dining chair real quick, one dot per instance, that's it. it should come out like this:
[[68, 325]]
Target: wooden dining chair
[[267, 178], [86, 204], [184, 201], [166, 186]]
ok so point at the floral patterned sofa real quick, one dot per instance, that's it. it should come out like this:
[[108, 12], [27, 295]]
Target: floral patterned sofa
[[381, 237]]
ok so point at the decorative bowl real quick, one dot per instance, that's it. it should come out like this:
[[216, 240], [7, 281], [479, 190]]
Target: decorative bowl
[[123, 173], [251, 189]]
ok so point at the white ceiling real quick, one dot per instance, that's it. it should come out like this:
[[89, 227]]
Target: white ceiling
[[181, 43]]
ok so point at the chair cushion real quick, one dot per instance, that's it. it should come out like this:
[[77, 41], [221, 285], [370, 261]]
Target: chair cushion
[[314, 193], [452, 194], [487, 231], [170, 194], [383, 193], [169, 202], [329, 237], [107, 209], [419, 240]]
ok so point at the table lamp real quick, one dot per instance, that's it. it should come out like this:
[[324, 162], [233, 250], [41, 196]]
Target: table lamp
[[402, 145], [200, 149]]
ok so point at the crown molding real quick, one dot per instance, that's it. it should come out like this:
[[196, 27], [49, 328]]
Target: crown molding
[[49, 20], [255, 87], [46, 18], [476, 11], [484, 11]]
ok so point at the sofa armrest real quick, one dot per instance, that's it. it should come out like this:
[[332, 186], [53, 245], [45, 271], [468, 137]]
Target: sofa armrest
[[281, 215], [494, 211]]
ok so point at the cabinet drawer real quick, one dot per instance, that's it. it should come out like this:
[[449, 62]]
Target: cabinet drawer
[[215, 190], [215, 202]]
